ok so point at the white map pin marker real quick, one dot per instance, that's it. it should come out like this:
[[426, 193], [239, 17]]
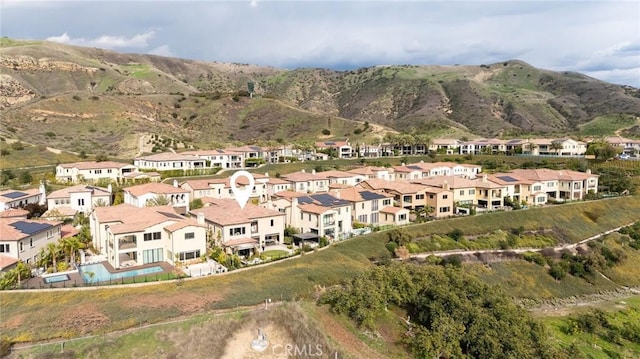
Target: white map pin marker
[[242, 195]]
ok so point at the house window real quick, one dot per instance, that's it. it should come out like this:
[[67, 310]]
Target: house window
[[362, 218], [472, 191], [430, 196], [237, 231], [402, 217], [21, 249], [540, 199], [444, 209], [254, 227], [537, 188], [31, 242], [97, 172], [184, 256], [272, 222], [445, 196], [4, 248], [189, 235], [386, 202], [462, 192], [419, 196], [152, 236], [80, 201], [375, 218], [374, 205]]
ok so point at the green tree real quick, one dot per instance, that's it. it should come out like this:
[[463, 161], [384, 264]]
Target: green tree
[[160, 200], [196, 203]]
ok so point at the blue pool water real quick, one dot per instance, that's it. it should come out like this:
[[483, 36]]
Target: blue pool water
[[101, 274], [56, 278]]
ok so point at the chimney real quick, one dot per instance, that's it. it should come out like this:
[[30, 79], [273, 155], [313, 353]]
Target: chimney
[[266, 174], [302, 170], [484, 178], [402, 164], [338, 194], [200, 218], [43, 194], [588, 171], [175, 183], [445, 185], [110, 188], [313, 171]]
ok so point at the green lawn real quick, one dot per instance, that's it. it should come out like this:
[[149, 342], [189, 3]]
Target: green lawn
[[273, 254], [607, 125]]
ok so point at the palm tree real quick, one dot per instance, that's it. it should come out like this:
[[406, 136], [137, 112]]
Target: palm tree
[[160, 200], [53, 250], [556, 145], [72, 245]]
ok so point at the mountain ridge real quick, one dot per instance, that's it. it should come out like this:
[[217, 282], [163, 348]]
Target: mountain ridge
[[107, 100]]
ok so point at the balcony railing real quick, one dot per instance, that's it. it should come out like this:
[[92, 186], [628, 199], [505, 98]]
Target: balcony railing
[[127, 244]]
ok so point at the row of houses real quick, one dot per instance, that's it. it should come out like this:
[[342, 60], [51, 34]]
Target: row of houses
[[147, 167], [155, 222]]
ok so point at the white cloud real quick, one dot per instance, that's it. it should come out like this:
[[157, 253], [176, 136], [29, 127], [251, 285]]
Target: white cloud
[[138, 41], [253, 3]]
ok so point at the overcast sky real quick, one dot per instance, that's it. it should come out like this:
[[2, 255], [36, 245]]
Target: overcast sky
[[598, 38]]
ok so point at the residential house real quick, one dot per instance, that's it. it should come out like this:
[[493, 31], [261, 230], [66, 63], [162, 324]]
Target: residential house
[[482, 146], [22, 239], [341, 177], [629, 146], [439, 202], [220, 158], [561, 185], [320, 214], [169, 161], [406, 195], [221, 187], [489, 195], [246, 231], [91, 172], [19, 198], [554, 147], [275, 185], [365, 204], [445, 145], [340, 149], [520, 189], [371, 172], [306, 182], [369, 150], [394, 216], [129, 236], [79, 198], [150, 194], [463, 190]]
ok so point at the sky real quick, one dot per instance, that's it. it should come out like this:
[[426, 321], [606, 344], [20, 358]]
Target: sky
[[597, 38]]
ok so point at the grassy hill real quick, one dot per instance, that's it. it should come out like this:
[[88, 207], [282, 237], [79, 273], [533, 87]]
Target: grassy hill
[[103, 101]]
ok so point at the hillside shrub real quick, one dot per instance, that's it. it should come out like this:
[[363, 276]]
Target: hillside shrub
[[326, 132]]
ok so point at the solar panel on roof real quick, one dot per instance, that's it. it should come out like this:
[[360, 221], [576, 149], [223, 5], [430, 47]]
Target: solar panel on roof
[[328, 200], [255, 148], [368, 196], [330, 143], [30, 227], [507, 178], [414, 167], [14, 195], [305, 200]]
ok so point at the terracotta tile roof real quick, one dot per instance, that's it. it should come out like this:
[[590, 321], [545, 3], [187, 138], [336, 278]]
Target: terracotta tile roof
[[66, 192], [335, 174], [302, 177], [154, 187], [15, 229], [278, 181], [453, 182], [68, 231], [289, 194], [313, 208], [393, 210], [217, 152], [544, 174], [90, 165], [14, 213], [397, 186], [325, 144], [227, 211], [190, 222], [7, 261], [444, 141], [354, 194], [14, 194]]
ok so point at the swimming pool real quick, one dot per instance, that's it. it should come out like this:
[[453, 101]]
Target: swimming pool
[[97, 272], [56, 278]]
